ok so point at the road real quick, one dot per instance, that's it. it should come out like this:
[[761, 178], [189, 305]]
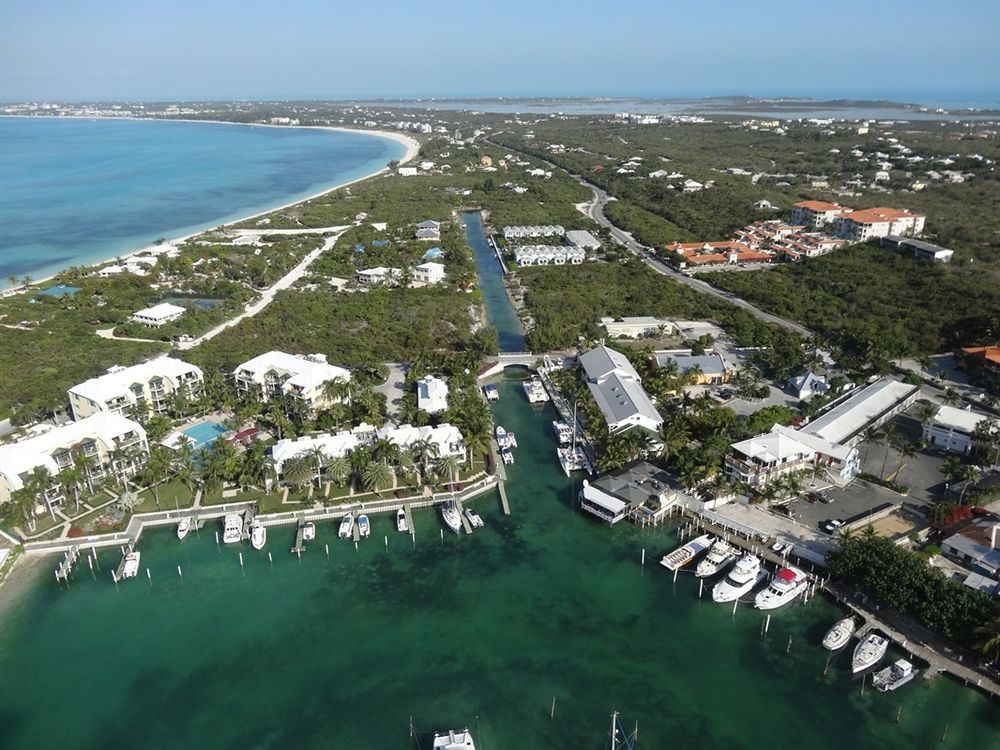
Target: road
[[595, 210]]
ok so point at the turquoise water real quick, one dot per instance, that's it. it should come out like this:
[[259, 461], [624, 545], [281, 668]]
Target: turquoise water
[[204, 433], [76, 191], [59, 291], [498, 308]]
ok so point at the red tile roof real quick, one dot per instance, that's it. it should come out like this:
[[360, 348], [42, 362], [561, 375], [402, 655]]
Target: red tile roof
[[877, 215], [989, 353]]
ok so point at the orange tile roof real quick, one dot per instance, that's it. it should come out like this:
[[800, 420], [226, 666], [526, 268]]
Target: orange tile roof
[[820, 206], [707, 259], [991, 353], [876, 215]]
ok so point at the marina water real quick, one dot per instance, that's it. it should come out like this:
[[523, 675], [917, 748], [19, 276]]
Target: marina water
[[78, 191]]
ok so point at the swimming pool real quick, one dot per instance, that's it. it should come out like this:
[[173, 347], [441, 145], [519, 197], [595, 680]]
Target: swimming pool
[[204, 433]]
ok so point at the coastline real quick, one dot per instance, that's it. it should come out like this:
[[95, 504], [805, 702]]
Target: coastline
[[411, 145]]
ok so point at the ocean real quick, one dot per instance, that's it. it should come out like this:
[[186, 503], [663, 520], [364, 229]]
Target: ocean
[[78, 191]]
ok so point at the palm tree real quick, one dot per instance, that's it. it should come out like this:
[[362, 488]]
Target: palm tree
[[70, 478], [23, 500], [361, 458], [157, 467], [337, 390], [988, 638], [477, 444], [255, 466], [891, 438], [950, 397], [674, 436], [339, 469], [907, 449], [376, 477], [298, 471], [321, 461], [447, 466], [385, 451], [425, 452], [41, 482], [969, 474], [872, 436]]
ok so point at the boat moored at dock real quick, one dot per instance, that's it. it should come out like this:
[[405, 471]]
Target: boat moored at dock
[[308, 531], [564, 433], [128, 567], [346, 527], [534, 389], [687, 552], [869, 652], [745, 576], [401, 521], [507, 457], [183, 528], [786, 585], [232, 528], [258, 534], [505, 440], [895, 676], [839, 635], [475, 520], [454, 740], [721, 554], [491, 392], [364, 528], [572, 459], [449, 512]]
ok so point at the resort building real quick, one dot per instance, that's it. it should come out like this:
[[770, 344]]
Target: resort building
[[617, 389], [816, 213], [727, 252], [158, 315], [428, 273], [380, 276], [917, 248], [446, 438], [545, 255], [872, 406], [641, 491], [582, 239], [511, 234], [105, 444], [305, 378], [637, 327], [151, 385], [869, 223], [983, 363], [702, 369], [432, 394], [951, 430]]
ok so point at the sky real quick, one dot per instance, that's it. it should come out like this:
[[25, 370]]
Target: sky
[[161, 50]]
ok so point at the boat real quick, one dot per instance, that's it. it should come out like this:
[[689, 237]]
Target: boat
[[258, 534], [869, 652], [788, 584], [507, 457], [746, 575], [895, 676], [572, 459], [346, 527], [232, 528], [505, 440], [183, 528], [534, 389], [128, 567], [839, 635], [364, 528], [492, 392], [401, 521], [564, 433], [718, 558], [686, 553], [475, 520], [454, 740], [308, 531], [449, 512]]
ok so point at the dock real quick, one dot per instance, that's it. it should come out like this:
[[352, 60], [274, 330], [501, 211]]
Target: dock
[[248, 516], [65, 567], [356, 532], [300, 545], [461, 514], [503, 499]]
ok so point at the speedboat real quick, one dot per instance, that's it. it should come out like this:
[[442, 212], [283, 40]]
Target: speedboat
[[686, 553], [128, 567], [507, 456], [869, 652], [364, 528], [183, 528], [501, 434], [454, 740], [308, 531], [449, 512], [564, 434], [401, 521], [232, 528], [742, 579], [839, 634], [346, 527], [784, 587], [895, 676], [258, 534], [718, 558], [475, 520]]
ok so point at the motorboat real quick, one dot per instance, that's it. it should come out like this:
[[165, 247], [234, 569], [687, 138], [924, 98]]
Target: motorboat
[[128, 567], [364, 528], [745, 576], [686, 553], [505, 440], [308, 531], [346, 527], [454, 740], [564, 433], [534, 389], [232, 528], [718, 558], [449, 512], [258, 534], [895, 676], [869, 652], [507, 457], [492, 392], [839, 635], [475, 520], [788, 584], [183, 528], [401, 521]]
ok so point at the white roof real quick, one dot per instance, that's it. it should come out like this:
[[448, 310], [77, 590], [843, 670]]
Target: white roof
[[305, 372], [24, 456], [961, 419], [447, 437], [429, 267], [117, 380], [610, 503], [432, 394], [332, 445], [852, 416], [582, 238], [161, 311]]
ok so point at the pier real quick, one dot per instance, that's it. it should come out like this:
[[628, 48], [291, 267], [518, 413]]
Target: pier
[[409, 520], [503, 499], [300, 546], [65, 567], [248, 516], [461, 514]]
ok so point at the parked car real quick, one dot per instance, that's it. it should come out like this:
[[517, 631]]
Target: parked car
[[821, 496], [832, 525]]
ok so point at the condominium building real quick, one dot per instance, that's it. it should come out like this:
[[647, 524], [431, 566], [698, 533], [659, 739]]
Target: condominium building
[[302, 377], [618, 391], [816, 213], [869, 223], [529, 232], [105, 443], [544, 255], [150, 385]]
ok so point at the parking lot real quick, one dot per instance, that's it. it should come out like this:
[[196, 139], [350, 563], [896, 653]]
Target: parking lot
[[857, 498]]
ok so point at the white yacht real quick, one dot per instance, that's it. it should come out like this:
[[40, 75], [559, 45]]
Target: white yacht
[[686, 553], [346, 527], [839, 635], [232, 528], [742, 579], [449, 512], [718, 558], [564, 433], [534, 389], [572, 459], [128, 567], [505, 440], [895, 676], [783, 588], [401, 521], [869, 652], [454, 740], [507, 457], [475, 520], [258, 534], [308, 531], [364, 528], [183, 528]]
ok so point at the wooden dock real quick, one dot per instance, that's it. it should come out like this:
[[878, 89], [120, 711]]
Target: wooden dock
[[356, 531], [248, 516], [65, 567], [300, 545], [409, 520], [461, 514], [503, 499]]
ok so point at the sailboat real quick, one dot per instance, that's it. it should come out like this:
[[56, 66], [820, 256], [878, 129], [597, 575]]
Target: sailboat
[[620, 740], [572, 458]]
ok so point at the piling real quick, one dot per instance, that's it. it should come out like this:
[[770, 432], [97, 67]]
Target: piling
[[767, 624], [179, 573], [676, 571], [327, 548], [216, 538], [552, 711], [241, 561], [643, 556], [788, 648], [90, 561], [735, 602], [149, 577], [387, 541], [701, 587]]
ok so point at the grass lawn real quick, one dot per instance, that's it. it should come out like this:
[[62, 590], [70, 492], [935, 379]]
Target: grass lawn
[[90, 523], [173, 494], [42, 523]]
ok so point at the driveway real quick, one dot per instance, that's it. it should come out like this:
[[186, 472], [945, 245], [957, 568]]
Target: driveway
[[393, 388]]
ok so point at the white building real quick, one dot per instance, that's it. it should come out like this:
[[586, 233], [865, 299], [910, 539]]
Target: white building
[[305, 378], [158, 315], [618, 391], [583, 239], [807, 385], [872, 406], [858, 226], [99, 440], [531, 232], [428, 273], [432, 394], [379, 276], [549, 255], [816, 213], [951, 429], [151, 384]]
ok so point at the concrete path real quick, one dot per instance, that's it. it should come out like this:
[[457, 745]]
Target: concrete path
[[393, 388]]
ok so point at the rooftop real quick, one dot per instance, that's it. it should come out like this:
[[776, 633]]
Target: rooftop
[[850, 417], [160, 311], [117, 380], [961, 419]]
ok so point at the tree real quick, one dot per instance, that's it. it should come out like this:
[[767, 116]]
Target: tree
[[891, 435], [41, 482], [987, 639], [907, 449], [872, 436], [447, 466], [376, 476], [339, 469], [298, 471]]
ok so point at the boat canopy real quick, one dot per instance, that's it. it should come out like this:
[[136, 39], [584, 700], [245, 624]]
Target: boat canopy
[[787, 574]]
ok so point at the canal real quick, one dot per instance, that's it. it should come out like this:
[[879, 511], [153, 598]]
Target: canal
[[499, 310]]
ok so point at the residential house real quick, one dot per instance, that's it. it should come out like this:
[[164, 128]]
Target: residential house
[[151, 385], [951, 429], [428, 273], [617, 389], [976, 547], [304, 378], [807, 385], [641, 491], [432, 394], [703, 369], [379, 276], [429, 230], [158, 315]]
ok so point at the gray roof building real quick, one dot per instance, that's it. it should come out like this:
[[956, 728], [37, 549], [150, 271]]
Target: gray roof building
[[583, 238], [617, 389]]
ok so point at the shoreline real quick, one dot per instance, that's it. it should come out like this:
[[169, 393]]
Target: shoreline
[[411, 145]]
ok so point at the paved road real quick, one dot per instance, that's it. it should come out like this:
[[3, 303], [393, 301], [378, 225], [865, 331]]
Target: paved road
[[595, 211]]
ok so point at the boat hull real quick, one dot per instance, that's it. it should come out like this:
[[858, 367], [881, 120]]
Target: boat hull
[[724, 591]]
